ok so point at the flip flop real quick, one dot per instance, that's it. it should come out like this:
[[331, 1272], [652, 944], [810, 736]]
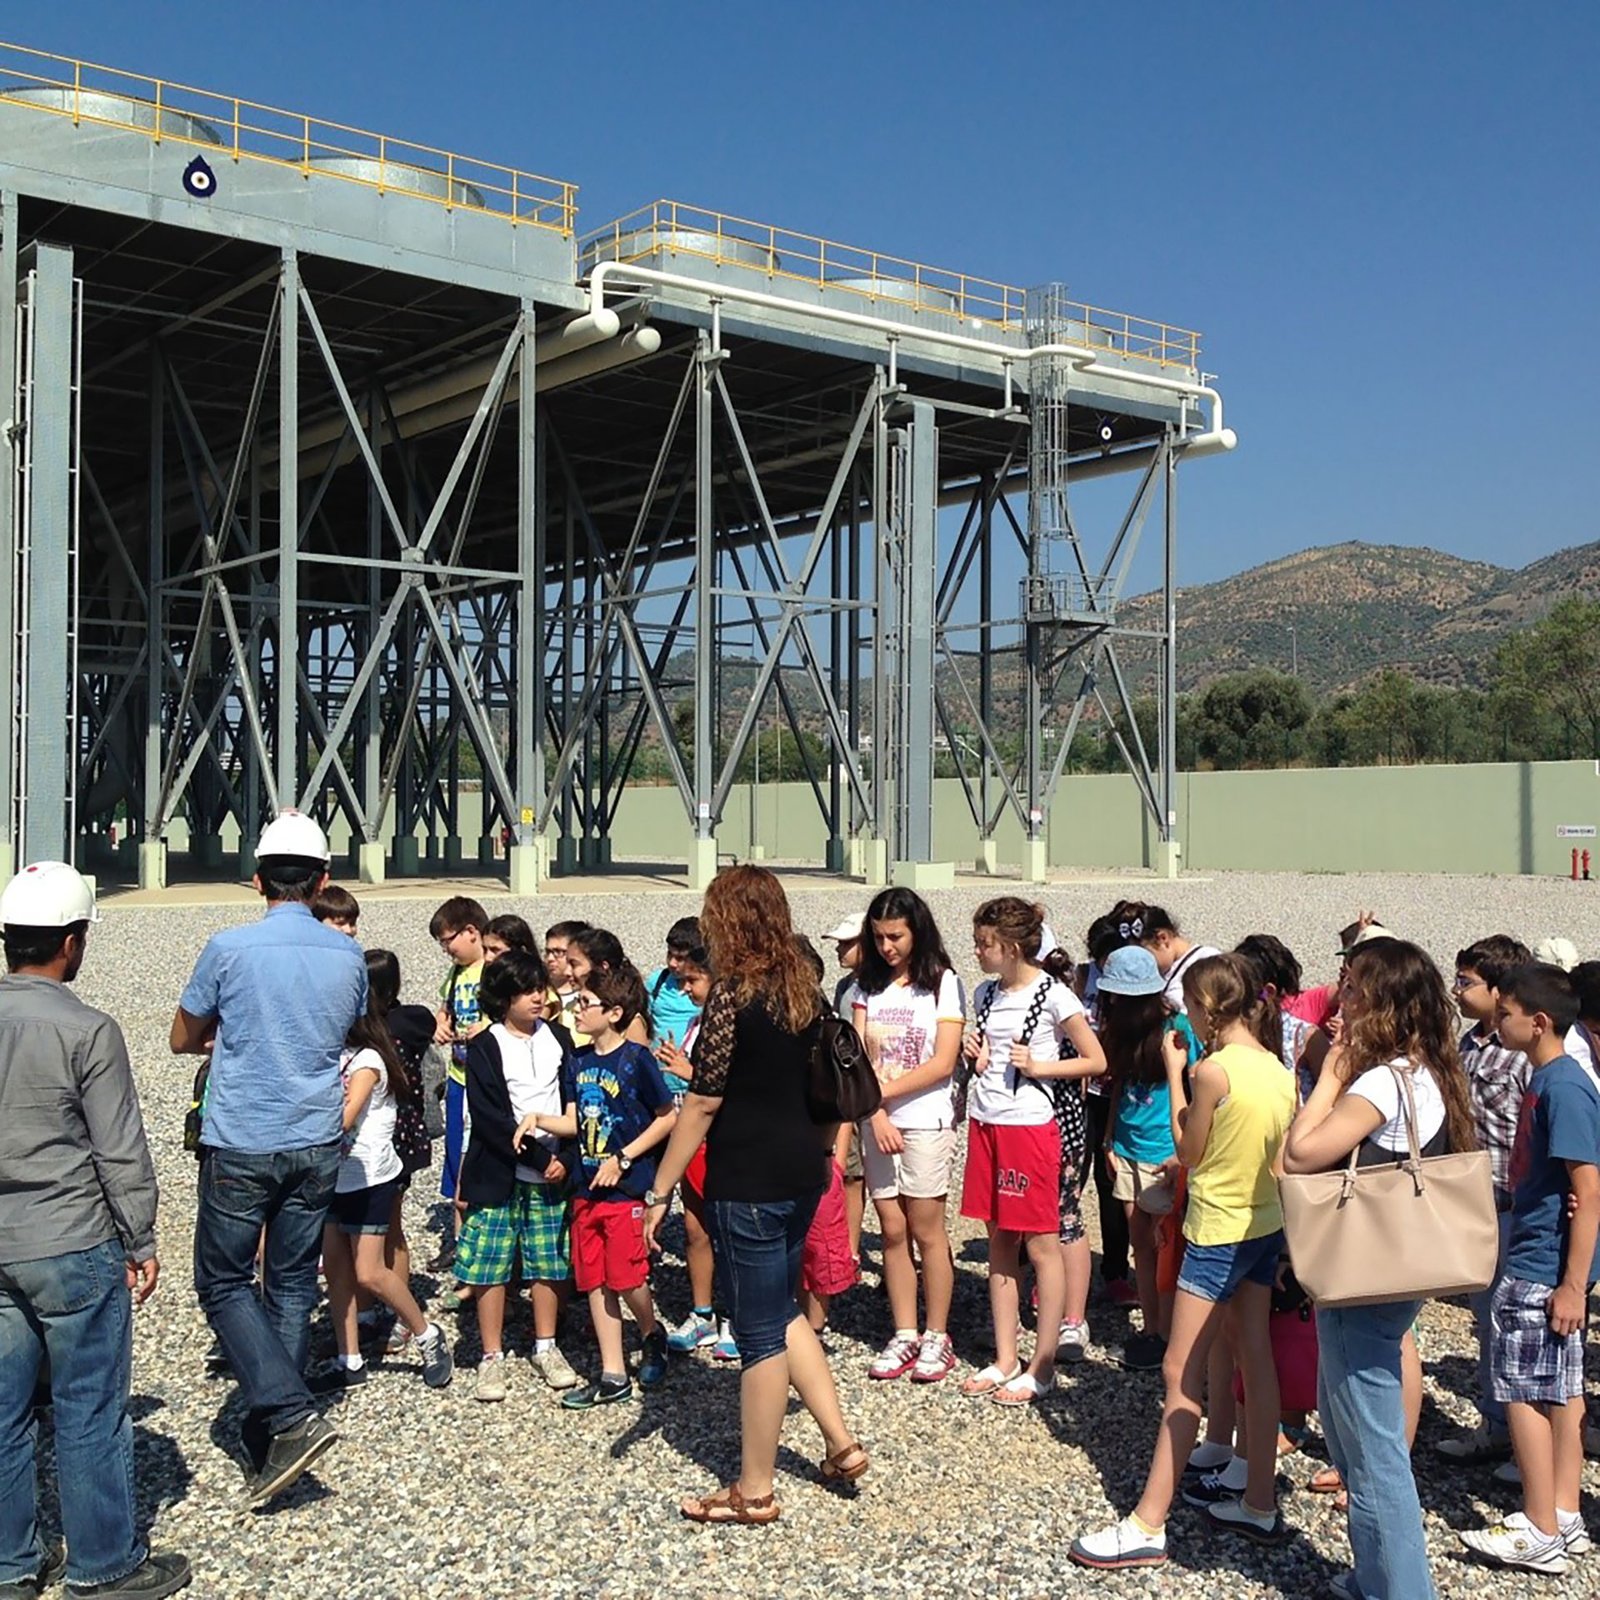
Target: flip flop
[[1023, 1390], [983, 1384], [728, 1505], [845, 1465]]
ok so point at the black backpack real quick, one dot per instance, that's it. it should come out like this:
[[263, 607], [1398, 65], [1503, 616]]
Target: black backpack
[[841, 1085]]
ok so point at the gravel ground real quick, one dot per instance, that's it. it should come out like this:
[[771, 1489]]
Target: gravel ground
[[430, 1494]]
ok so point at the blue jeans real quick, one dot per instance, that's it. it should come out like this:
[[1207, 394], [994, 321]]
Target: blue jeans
[[759, 1246], [1363, 1420], [1491, 1410], [76, 1309], [286, 1192]]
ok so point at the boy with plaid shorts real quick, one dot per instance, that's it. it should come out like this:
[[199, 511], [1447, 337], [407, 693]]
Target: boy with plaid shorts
[[515, 1189], [1537, 1313], [618, 1106]]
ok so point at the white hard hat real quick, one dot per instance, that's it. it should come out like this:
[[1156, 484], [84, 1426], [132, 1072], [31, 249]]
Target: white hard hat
[[293, 833], [48, 894], [848, 931]]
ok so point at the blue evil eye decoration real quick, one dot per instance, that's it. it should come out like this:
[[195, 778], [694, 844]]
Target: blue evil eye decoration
[[199, 180]]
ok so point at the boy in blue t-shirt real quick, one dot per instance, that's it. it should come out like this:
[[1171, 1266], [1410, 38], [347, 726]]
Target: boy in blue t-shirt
[[1538, 1309], [672, 1009], [619, 1107]]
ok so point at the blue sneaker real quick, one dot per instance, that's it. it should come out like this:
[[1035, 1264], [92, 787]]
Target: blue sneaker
[[695, 1332], [653, 1362], [725, 1349]]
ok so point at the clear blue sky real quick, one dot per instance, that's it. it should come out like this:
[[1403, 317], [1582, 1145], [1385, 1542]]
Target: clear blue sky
[[1383, 218]]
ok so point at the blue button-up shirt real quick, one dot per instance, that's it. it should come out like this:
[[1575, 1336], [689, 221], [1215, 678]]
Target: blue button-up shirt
[[284, 991]]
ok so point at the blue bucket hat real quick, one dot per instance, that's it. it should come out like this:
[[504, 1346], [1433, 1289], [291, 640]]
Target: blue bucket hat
[[1131, 970]]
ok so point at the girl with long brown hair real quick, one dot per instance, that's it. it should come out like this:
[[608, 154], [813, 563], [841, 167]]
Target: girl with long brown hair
[[765, 1174], [1398, 1035]]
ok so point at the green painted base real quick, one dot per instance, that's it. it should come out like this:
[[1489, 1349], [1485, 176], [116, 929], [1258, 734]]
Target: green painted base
[[924, 876]]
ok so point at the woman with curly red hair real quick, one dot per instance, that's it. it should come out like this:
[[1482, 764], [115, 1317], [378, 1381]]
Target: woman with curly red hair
[[765, 1173]]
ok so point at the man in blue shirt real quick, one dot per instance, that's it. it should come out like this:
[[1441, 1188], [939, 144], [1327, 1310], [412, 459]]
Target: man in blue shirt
[[1540, 1302], [271, 1003]]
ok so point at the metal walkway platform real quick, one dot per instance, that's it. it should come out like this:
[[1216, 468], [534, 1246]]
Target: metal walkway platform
[[340, 471]]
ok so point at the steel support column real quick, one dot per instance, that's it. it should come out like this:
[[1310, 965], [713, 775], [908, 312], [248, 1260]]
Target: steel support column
[[47, 537], [703, 847], [286, 647], [8, 479], [526, 865], [1168, 847]]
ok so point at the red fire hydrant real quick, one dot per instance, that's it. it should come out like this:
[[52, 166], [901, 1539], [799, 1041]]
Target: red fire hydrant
[[1585, 866], [1574, 863]]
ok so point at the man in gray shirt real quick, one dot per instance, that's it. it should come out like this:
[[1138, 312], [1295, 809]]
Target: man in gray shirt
[[77, 1245]]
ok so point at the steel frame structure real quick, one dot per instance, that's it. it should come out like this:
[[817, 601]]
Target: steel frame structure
[[506, 543]]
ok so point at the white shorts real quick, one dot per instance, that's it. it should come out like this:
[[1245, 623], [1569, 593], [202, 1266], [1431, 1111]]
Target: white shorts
[[919, 1172]]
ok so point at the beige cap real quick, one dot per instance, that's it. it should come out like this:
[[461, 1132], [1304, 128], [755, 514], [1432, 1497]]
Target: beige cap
[[848, 930]]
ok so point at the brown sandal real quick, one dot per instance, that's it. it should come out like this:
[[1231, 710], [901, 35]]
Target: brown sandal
[[728, 1505], [845, 1465]]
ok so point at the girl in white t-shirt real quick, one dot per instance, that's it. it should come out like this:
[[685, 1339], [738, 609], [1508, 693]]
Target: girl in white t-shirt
[[1013, 1174], [1397, 1018], [358, 1247], [907, 1007]]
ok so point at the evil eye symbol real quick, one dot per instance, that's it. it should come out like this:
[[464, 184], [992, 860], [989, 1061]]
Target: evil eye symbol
[[199, 180]]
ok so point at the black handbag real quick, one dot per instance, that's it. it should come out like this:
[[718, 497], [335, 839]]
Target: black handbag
[[841, 1085]]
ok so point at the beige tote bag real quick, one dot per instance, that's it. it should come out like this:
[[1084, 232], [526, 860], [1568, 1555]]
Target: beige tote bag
[[1419, 1229]]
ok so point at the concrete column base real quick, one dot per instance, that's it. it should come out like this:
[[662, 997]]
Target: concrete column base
[[1168, 854], [566, 857], [874, 859], [488, 851], [758, 852], [924, 876], [247, 863], [454, 854], [152, 863], [834, 855], [371, 863], [988, 858], [1035, 860], [528, 865], [205, 849], [702, 864], [406, 857]]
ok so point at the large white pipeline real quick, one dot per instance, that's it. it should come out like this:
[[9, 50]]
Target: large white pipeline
[[1214, 439]]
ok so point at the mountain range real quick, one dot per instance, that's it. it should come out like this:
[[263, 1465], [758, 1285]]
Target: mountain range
[[1342, 612]]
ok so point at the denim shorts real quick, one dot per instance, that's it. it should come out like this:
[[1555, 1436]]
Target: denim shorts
[[364, 1210], [1214, 1271], [760, 1247]]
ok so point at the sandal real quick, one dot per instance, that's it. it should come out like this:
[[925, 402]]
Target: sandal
[[983, 1384], [1023, 1390], [728, 1505], [845, 1465], [1326, 1480]]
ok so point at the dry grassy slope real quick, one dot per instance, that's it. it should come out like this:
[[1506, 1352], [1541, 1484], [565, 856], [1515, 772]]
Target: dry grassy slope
[[1358, 607]]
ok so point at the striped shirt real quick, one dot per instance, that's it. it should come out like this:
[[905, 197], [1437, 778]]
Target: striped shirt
[[1497, 1080]]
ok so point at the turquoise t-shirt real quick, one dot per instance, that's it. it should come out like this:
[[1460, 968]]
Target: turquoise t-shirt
[[1144, 1110]]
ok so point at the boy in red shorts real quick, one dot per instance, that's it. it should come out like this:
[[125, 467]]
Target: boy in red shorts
[[619, 1107]]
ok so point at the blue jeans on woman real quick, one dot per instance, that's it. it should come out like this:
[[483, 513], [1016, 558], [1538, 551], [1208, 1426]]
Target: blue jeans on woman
[[267, 1339], [1363, 1421], [76, 1309], [759, 1247]]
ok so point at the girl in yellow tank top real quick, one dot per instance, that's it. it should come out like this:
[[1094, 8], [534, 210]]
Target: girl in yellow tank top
[[1227, 1123]]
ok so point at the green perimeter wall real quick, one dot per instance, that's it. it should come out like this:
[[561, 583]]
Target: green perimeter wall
[[1475, 819], [1499, 818]]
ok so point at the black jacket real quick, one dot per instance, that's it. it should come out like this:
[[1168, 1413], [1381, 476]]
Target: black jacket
[[489, 1168]]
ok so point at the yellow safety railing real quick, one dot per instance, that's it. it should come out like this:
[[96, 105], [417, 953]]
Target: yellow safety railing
[[671, 228], [228, 128]]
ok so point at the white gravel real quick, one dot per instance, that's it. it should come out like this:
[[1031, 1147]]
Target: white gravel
[[430, 1494]]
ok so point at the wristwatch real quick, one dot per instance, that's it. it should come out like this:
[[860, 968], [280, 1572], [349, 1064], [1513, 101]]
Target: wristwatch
[[623, 1162], [652, 1199]]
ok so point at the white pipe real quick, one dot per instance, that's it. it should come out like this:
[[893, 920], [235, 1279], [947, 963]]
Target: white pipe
[[1214, 439]]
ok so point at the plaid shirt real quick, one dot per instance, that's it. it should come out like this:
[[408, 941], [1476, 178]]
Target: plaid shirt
[[1497, 1080]]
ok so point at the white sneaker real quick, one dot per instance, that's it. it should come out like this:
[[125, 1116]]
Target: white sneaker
[[1072, 1342], [554, 1368], [491, 1385], [1573, 1534], [936, 1358], [1517, 1543], [1124, 1545], [896, 1358]]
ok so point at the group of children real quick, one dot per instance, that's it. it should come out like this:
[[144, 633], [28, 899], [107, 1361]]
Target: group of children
[[1168, 1070]]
